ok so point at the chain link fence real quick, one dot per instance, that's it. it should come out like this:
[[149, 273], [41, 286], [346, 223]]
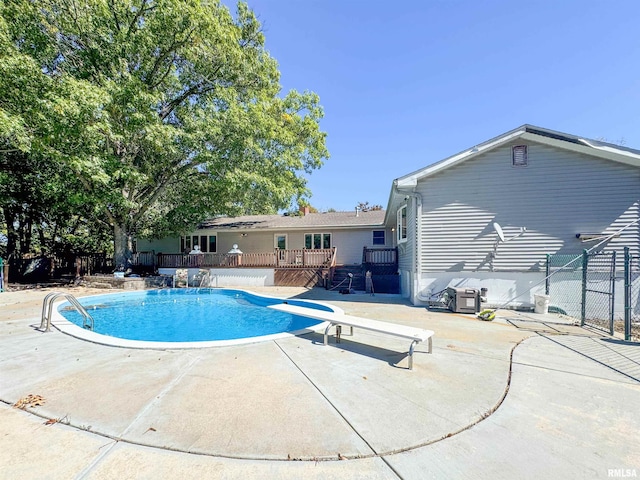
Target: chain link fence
[[632, 295], [601, 290], [564, 284]]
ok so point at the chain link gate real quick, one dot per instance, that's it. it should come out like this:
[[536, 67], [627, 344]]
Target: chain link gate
[[564, 284], [632, 296], [583, 287], [598, 290]]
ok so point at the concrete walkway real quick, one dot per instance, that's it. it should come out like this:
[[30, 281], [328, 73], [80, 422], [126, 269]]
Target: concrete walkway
[[524, 396]]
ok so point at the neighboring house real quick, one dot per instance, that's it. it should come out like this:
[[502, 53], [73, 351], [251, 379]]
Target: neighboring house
[[557, 186]]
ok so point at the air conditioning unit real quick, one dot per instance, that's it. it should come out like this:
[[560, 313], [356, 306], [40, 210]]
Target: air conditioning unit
[[463, 300]]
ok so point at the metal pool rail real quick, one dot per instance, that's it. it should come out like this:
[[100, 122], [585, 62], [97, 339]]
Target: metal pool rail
[[47, 308]]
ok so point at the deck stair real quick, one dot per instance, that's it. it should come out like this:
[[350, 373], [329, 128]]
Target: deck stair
[[341, 274]]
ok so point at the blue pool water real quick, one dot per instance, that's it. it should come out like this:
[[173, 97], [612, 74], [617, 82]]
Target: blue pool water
[[188, 315]]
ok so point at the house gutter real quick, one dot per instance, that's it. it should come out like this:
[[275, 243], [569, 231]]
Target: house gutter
[[416, 263]]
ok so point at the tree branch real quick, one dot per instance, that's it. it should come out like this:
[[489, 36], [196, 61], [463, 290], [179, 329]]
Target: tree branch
[[172, 49], [112, 7], [141, 11]]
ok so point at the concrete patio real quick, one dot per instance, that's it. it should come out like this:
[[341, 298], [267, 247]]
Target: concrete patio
[[524, 396]]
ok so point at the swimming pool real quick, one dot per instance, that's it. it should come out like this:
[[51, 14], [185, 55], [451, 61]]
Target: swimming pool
[[184, 318]]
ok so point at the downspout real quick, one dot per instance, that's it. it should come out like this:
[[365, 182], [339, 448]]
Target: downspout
[[416, 263]]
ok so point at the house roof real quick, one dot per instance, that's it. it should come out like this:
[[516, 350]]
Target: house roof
[[532, 133], [372, 218], [617, 153]]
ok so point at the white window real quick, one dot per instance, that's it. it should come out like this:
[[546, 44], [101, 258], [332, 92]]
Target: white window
[[378, 237], [402, 224], [280, 241], [315, 241], [519, 156], [207, 243]]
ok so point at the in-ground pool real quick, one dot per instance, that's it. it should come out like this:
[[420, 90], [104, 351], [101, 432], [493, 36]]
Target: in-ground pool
[[189, 315]]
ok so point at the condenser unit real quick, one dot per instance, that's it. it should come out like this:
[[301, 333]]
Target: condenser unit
[[463, 300]]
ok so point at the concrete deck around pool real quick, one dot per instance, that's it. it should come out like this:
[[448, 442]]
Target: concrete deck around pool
[[524, 396]]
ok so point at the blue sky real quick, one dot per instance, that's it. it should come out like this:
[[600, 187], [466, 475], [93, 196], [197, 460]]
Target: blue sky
[[406, 84]]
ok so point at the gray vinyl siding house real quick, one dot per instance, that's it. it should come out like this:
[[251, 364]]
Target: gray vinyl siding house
[[556, 186]]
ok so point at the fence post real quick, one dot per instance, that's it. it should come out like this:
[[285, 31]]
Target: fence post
[[585, 264], [627, 294], [5, 274], [1, 275], [546, 276], [613, 291]]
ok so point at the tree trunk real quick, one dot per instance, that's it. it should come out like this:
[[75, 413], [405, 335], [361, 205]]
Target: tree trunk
[[12, 234], [26, 233], [123, 247]]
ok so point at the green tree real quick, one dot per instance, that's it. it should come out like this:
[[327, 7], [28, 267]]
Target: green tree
[[172, 111], [40, 197]]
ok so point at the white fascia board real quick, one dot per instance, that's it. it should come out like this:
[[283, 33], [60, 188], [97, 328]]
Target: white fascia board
[[397, 193], [306, 228], [411, 180], [615, 154], [588, 148]]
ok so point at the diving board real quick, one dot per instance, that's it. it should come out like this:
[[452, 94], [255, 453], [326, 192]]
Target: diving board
[[416, 335]]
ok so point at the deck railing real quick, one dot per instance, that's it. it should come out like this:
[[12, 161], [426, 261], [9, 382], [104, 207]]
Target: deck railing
[[380, 256], [380, 261], [145, 259], [302, 258]]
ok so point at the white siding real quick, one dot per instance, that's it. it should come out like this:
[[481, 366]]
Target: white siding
[[558, 195], [406, 250], [350, 244]]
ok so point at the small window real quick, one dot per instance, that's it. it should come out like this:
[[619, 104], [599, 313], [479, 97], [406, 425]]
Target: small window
[[402, 224], [378, 237], [315, 241], [185, 244], [519, 156], [280, 241], [213, 243]]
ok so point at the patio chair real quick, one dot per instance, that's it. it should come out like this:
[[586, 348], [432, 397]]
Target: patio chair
[[181, 278]]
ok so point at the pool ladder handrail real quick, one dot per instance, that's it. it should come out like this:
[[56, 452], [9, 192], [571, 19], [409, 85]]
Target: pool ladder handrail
[[47, 308]]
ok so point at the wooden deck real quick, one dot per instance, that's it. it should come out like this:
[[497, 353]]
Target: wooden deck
[[297, 267], [288, 259], [296, 277]]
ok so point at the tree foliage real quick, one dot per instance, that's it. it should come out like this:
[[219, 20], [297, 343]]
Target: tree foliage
[[41, 200], [365, 207], [163, 111]]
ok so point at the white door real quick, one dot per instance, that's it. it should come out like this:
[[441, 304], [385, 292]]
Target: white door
[[280, 244]]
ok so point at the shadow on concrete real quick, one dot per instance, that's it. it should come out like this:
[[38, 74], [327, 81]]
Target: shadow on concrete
[[392, 357]]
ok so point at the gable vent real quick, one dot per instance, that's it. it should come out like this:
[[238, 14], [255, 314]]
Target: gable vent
[[519, 156]]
